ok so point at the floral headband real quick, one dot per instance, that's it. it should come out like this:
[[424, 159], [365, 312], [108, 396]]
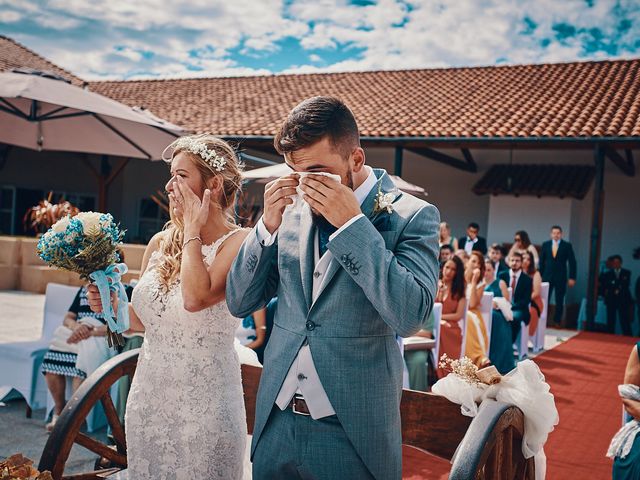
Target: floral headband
[[190, 144]]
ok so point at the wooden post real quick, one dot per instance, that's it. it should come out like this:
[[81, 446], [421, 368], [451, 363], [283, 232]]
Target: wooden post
[[105, 176], [397, 169], [595, 239], [103, 184]]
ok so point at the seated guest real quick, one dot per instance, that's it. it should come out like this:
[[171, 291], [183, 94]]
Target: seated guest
[[451, 290], [471, 241], [253, 329], [270, 311], [477, 340], [627, 467], [416, 360], [535, 309], [615, 288], [462, 255], [496, 255], [521, 243], [501, 345], [446, 252], [446, 238], [521, 288], [78, 347]]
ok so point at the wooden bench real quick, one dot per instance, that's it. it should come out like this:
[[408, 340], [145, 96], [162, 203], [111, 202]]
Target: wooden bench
[[489, 444]]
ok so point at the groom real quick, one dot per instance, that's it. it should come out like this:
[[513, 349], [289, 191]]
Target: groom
[[353, 265]]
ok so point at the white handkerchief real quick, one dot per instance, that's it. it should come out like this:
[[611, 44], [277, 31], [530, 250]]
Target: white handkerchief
[[298, 201]]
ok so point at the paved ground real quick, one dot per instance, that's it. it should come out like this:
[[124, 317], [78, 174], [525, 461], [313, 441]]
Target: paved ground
[[21, 320]]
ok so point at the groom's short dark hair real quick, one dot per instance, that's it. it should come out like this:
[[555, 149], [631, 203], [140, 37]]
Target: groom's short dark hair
[[314, 119]]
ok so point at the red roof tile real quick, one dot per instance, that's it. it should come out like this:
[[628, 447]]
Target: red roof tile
[[589, 99], [14, 55]]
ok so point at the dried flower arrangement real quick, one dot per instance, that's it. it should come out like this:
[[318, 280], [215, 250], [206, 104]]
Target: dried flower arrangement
[[18, 467], [465, 369], [39, 218]]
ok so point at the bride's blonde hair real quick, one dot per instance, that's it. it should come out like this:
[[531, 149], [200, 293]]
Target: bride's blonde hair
[[225, 165]]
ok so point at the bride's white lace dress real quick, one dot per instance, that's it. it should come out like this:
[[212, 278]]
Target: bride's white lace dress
[[185, 416]]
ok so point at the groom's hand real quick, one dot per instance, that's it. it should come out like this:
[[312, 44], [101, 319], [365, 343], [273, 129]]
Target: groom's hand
[[277, 195], [335, 202]]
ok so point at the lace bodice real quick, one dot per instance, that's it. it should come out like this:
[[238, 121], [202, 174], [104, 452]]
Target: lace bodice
[[185, 414]]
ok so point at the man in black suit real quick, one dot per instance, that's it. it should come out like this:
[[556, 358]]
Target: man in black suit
[[614, 286], [446, 252], [471, 241], [521, 287], [554, 257], [497, 259]]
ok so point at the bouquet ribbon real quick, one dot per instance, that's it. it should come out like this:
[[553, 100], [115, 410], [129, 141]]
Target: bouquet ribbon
[[107, 280]]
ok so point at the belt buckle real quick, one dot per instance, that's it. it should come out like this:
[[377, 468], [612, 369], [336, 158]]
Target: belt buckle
[[293, 406]]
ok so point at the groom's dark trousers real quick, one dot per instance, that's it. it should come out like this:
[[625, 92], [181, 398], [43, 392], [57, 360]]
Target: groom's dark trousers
[[298, 445]]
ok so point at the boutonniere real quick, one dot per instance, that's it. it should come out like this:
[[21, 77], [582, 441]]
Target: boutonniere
[[384, 201]]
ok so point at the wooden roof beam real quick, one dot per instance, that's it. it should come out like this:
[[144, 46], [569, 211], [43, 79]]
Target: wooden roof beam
[[468, 164], [627, 164]]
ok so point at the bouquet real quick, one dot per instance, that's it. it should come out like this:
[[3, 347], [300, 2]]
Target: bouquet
[[87, 244]]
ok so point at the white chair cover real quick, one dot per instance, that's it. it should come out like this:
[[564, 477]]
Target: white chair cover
[[538, 339], [437, 316], [21, 361], [463, 326]]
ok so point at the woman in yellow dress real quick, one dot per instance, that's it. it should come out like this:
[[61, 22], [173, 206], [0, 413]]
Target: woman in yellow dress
[[477, 340]]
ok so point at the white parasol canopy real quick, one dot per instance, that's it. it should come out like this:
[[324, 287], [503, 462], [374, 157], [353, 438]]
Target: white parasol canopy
[[266, 174], [43, 113]]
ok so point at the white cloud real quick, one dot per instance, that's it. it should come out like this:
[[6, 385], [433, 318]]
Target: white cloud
[[9, 16], [203, 37]]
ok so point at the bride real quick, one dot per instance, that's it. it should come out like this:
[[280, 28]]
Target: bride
[[185, 416]]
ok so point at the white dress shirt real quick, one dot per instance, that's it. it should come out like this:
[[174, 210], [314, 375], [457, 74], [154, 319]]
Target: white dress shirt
[[468, 246], [302, 377]]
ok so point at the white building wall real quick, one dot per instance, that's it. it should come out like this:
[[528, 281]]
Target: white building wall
[[449, 189]]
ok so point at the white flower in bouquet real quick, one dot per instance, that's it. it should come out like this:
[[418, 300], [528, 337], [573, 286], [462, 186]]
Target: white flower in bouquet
[[92, 221], [61, 225]]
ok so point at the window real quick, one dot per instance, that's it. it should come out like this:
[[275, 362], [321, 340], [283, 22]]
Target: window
[[151, 219], [25, 198], [7, 209]]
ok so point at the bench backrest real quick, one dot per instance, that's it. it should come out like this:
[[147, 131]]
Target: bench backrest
[[489, 443]]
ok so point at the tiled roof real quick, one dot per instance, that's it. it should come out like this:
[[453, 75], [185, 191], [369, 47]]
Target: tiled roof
[[14, 55], [589, 99], [537, 180], [569, 100]]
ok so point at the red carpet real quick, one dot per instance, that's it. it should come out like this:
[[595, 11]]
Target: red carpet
[[584, 374]]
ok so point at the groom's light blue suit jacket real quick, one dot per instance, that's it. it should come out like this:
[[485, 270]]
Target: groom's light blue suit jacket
[[381, 281]]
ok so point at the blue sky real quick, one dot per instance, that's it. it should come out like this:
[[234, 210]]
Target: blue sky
[[124, 39]]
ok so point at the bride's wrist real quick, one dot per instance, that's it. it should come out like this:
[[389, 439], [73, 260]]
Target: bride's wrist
[[191, 232]]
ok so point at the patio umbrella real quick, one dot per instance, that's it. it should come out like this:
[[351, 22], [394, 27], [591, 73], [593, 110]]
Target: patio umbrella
[[40, 112], [266, 174]]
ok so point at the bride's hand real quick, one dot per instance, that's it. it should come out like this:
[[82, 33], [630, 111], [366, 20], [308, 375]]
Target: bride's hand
[[94, 301], [194, 212]]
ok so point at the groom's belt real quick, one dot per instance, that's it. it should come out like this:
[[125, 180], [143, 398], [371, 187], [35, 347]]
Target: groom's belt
[[299, 406]]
